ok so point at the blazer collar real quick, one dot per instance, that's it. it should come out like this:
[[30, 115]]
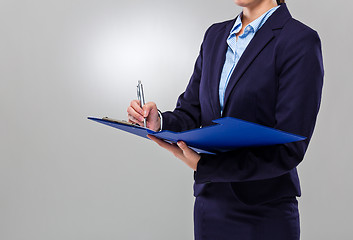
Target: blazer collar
[[260, 40]]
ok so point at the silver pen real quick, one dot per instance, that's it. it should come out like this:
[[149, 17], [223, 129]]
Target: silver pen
[[141, 98]]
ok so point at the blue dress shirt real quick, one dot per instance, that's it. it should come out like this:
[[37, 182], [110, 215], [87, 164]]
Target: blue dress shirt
[[237, 47]]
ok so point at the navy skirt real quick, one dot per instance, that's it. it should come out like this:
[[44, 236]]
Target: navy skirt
[[219, 215]]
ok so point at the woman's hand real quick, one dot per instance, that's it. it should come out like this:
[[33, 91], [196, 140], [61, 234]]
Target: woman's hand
[[136, 114], [180, 150]]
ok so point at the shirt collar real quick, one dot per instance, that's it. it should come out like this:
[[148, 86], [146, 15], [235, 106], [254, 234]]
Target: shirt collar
[[237, 25], [254, 25]]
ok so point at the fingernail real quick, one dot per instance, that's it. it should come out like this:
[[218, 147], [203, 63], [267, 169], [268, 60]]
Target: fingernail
[[145, 112]]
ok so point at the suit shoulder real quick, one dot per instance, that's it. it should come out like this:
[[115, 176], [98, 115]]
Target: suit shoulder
[[295, 32], [297, 40], [220, 26], [297, 29]]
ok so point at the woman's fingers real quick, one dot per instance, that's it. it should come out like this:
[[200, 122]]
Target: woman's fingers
[[135, 104], [180, 150], [134, 120], [187, 151], [163, 144], [135, 112], [169, 146], [148, 108], [152, 117], [173, 148]]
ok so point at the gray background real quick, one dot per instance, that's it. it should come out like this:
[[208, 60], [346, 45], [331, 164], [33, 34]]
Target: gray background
[[64, 177]]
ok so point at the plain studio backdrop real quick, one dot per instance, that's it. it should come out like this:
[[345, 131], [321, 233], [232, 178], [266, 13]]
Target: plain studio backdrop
[[65, 177]]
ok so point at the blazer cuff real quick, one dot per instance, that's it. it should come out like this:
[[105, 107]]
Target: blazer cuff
[[205, 168]]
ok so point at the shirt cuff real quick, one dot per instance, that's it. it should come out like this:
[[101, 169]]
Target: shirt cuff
[[160, 116]]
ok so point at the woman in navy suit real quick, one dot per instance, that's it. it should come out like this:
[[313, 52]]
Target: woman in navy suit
[[263, 67]]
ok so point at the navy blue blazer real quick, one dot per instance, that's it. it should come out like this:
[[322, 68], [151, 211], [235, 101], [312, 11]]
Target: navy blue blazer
[[277, 83]]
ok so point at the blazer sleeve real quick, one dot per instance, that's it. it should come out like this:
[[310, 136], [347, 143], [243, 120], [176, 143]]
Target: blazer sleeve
[[187, 114], [300, 80]]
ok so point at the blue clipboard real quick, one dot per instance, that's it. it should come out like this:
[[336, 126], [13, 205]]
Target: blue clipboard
[[227, 134]]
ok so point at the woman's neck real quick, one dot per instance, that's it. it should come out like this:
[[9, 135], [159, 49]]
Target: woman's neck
[[250, 13]]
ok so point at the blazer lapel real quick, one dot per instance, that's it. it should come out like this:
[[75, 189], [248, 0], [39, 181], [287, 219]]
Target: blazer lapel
[[217, 61], [260, 40]]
